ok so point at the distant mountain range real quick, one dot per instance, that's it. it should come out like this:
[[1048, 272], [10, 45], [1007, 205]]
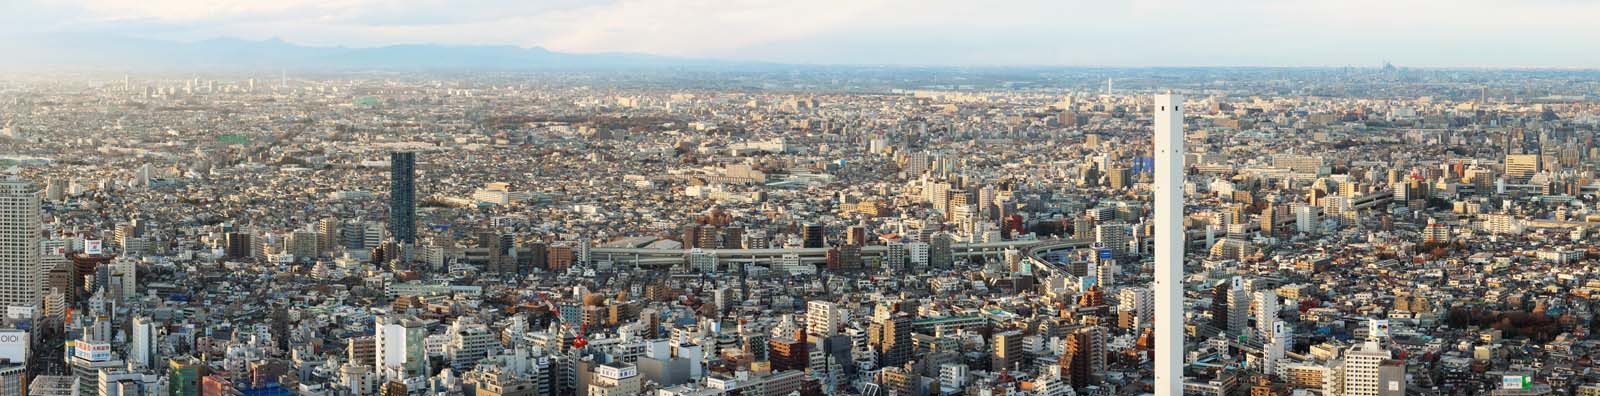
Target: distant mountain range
[[82, 51]]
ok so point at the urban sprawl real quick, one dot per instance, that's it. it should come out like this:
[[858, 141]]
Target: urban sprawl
[[880, 232]]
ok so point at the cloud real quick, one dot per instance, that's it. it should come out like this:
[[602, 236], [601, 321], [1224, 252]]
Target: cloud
[[1077, 32]]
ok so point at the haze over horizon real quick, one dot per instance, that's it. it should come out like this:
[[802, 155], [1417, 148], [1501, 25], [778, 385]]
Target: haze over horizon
[[1422, 33]]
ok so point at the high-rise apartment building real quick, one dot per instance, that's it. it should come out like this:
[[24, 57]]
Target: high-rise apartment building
[[1368, 368], [1007, 352], [1114, 237], [1238, 307], [1266, 302], [19, 243], [1361, 365], [894, 344], [822, 319], [401, 345], [402, 196], [1305, 217], [1276, 347], [1084, 361], [1140, 306]]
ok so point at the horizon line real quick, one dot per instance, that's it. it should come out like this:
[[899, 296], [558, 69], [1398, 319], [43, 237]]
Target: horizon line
[[727, 62]]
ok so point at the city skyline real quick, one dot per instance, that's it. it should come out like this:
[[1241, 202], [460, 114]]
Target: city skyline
[[825, 198]]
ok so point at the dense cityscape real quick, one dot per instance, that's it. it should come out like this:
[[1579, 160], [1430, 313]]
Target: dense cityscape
[[1363, 231]]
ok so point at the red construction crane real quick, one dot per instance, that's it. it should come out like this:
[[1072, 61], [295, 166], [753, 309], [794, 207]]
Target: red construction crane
[[577, 341]]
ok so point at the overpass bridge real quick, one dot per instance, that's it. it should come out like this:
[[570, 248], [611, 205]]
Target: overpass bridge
[[1034, 254]]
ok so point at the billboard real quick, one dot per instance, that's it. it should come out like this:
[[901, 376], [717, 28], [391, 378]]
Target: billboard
[[1516, 382], [14, 345], [1380, 328], [1144, 165], [91, 351], [15, 312], [93, 247]]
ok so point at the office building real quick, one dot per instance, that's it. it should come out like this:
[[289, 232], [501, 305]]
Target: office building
[[1521, 167]]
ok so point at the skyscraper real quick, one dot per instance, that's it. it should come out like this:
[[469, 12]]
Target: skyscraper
[[1168, 191], [19, 243], [402, 196]]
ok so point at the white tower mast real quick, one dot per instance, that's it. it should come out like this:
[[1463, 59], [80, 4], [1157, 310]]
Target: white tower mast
[[1169, 244]]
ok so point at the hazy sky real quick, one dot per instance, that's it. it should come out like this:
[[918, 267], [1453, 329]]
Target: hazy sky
[[1543, 33]]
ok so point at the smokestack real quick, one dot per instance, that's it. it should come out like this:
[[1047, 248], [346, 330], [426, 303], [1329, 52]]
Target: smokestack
[[1169, 244]]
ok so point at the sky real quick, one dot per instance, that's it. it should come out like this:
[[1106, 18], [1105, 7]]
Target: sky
[[1421, 33]]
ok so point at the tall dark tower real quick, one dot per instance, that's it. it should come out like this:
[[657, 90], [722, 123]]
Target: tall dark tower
[[403, 196]]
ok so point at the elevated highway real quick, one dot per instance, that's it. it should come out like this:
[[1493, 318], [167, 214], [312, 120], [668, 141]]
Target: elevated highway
[[646, 257]]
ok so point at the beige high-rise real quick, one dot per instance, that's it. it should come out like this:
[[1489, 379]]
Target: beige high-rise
[[19, 243]]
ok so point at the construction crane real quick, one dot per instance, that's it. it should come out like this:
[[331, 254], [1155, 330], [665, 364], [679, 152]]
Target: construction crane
[[578, 341]]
